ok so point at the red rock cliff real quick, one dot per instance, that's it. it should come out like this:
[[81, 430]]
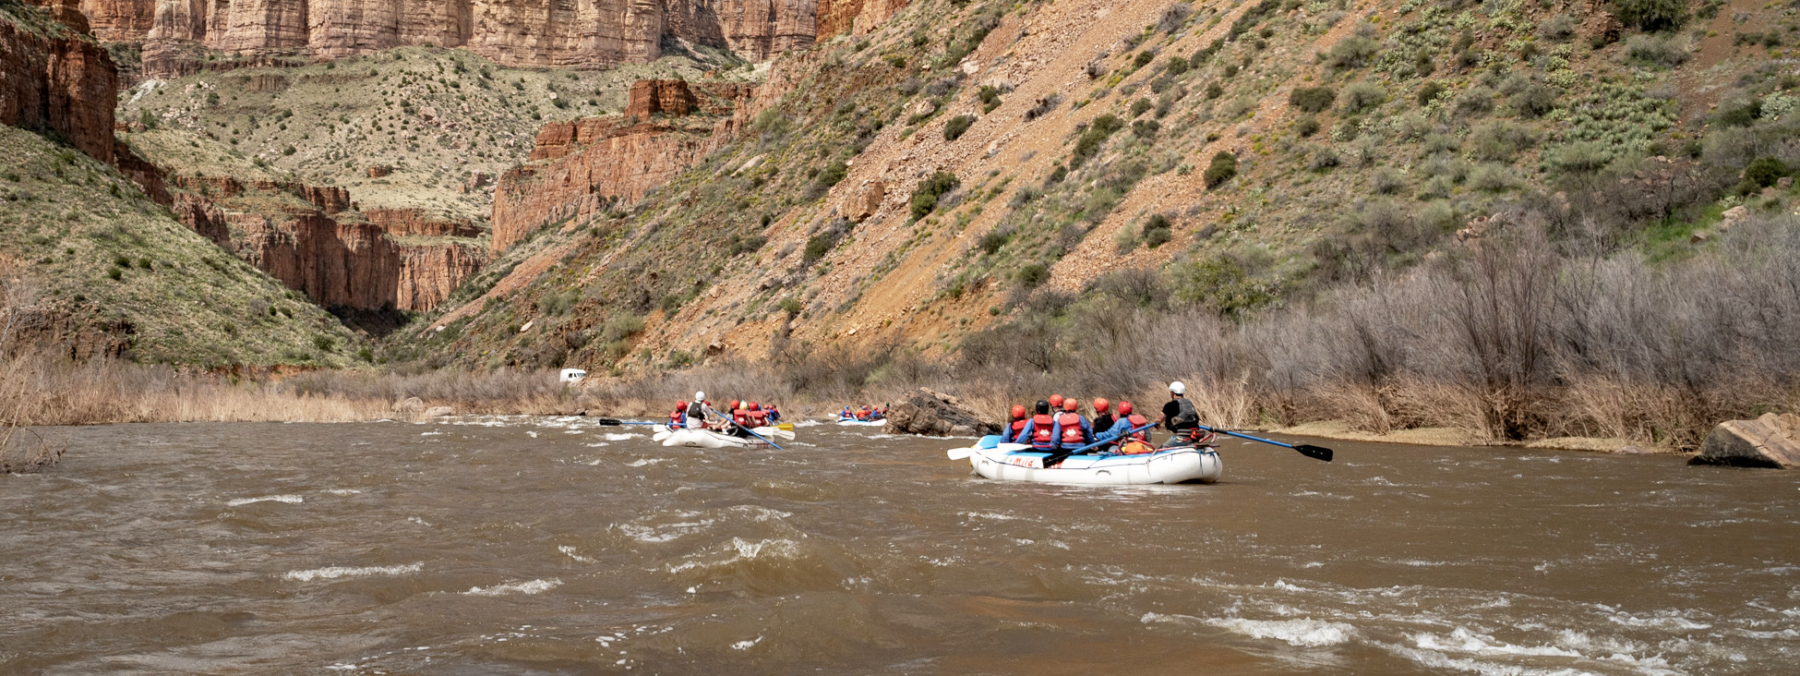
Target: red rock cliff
[[313, 240], [587, 34], [580, 168], [837, 17], [54, 78]]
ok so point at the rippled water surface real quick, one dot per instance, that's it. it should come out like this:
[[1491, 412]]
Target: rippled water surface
[[553, 546]]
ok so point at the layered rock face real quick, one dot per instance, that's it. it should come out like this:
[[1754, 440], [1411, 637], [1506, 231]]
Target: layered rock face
[[56, 79], [314, 241], [581, 168], [858, 17], [586, 34]]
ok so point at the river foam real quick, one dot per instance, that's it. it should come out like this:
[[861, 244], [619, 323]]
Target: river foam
[[288, 499], [337, 572], [525, 587]]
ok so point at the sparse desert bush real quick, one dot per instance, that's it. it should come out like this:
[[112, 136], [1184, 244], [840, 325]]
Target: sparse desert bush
[[925, 197], [1221, 169], [1652, 15], [1559, 28], [1352, 52], [1362, 96], [1312, 99], [1500, 141], [954, 128], [1656, 50], [1476, 101], [1306, 126], [1429, 92]]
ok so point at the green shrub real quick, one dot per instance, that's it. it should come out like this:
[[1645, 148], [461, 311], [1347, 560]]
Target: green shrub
[[1306, 126], [1655, 50], [1088, 144], [955, 128], [1033, 275], [1145, 130], [115, 274], [1312, 99], [790, 305], [1143, 59], [1742, 114], [990, 98], [1535, 100], [1363, 96], [1352, 52], [1213, 90], [991, 242], [925, 197], [1175, 65], [1500, 141], [1156, 231], [1430, 92], [1139, 106], [1765, 171], [1222, 168], [1582, 157], [1652, 15], [324, 343]]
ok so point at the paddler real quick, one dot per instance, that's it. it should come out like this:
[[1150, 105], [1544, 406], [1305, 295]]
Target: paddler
[[1180, 418]]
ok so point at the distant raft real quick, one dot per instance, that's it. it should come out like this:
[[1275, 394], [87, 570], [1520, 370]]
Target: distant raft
[[852, 422], [694, 438], [1017, 462]]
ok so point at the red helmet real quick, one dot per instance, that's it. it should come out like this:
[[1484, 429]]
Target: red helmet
[[1018, 412], [734, 404], [1100, 405], [681, 404], [1070, 405], [755, 407], [1124, 408], [1056, 401]]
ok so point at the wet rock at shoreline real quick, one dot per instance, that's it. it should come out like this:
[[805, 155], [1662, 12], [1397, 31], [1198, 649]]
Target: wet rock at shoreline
[[935, 414], [1771, 441]]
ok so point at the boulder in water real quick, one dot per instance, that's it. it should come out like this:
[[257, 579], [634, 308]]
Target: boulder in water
[[935, 414], [1771, 441]]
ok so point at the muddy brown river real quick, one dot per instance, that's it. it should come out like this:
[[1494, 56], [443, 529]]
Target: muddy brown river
[[555, 546]]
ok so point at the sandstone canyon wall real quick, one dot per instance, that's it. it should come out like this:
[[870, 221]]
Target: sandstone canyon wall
[[54, 78], [583, 34], [858, 17], [312, 239], [580, 168]]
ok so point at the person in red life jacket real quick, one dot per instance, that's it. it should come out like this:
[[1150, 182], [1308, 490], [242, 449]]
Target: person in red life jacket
[[1040, 430], [1103, 417], [678, 419], [866, 414], [774, 414], [1056, 402], [756, 415], [1122, 435], [1072, 429], [1013, 432]]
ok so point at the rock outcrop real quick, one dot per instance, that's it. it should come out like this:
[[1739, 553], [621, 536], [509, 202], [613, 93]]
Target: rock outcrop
[[935, 414], [581, 168], [857, 17], [1769, 441], [54, 78], [314, 241], [585, 34]]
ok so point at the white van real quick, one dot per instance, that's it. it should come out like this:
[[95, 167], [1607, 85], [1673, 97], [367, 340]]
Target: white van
[[573, 375]]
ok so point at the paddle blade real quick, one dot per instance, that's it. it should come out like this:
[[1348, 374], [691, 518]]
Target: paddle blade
[[607, 421], [1314, 452], [785, 427], [961, 453]]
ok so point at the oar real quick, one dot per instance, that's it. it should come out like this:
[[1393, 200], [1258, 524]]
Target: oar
[[962, 453], [616, 421], [1308, 450], [1059, 456], [746, 430]]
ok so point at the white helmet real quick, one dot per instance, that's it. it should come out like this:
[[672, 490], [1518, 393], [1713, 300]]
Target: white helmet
[[699, 396], [1177, 388]]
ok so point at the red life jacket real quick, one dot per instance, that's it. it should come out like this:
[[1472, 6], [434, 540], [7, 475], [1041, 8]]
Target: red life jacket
[[1136, 422], [1012, 433], [1043, 438], [675, 419], [741, 418], [1072, 436], [757, 419]]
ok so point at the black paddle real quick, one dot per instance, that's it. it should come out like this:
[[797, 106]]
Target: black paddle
[[1308, 450], [616, 421]]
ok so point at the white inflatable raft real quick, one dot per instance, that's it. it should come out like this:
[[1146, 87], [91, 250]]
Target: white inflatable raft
[[693, 438], [852, 422], [1017, 462]]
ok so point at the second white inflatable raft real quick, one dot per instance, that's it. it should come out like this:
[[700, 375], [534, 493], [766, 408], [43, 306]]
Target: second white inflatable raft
[[1017, 462]]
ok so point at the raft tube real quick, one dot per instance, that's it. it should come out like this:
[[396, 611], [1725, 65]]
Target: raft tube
[[1167, 466], [852, 422], [693, 438]]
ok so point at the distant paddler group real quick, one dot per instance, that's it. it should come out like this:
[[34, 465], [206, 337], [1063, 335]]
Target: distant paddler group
[[747, 424]]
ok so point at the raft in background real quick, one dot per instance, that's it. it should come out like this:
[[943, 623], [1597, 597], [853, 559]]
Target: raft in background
[[700, 438]]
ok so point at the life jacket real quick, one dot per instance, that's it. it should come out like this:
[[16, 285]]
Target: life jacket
[[1072, 434], [1043, 437], [1013, 431], [1138, 420], [757, 418], [1136, 447], [741, 417], [695, 416], [677, 418]]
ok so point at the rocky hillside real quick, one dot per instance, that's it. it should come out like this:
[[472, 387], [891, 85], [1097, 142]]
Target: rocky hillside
[[930, 178]]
